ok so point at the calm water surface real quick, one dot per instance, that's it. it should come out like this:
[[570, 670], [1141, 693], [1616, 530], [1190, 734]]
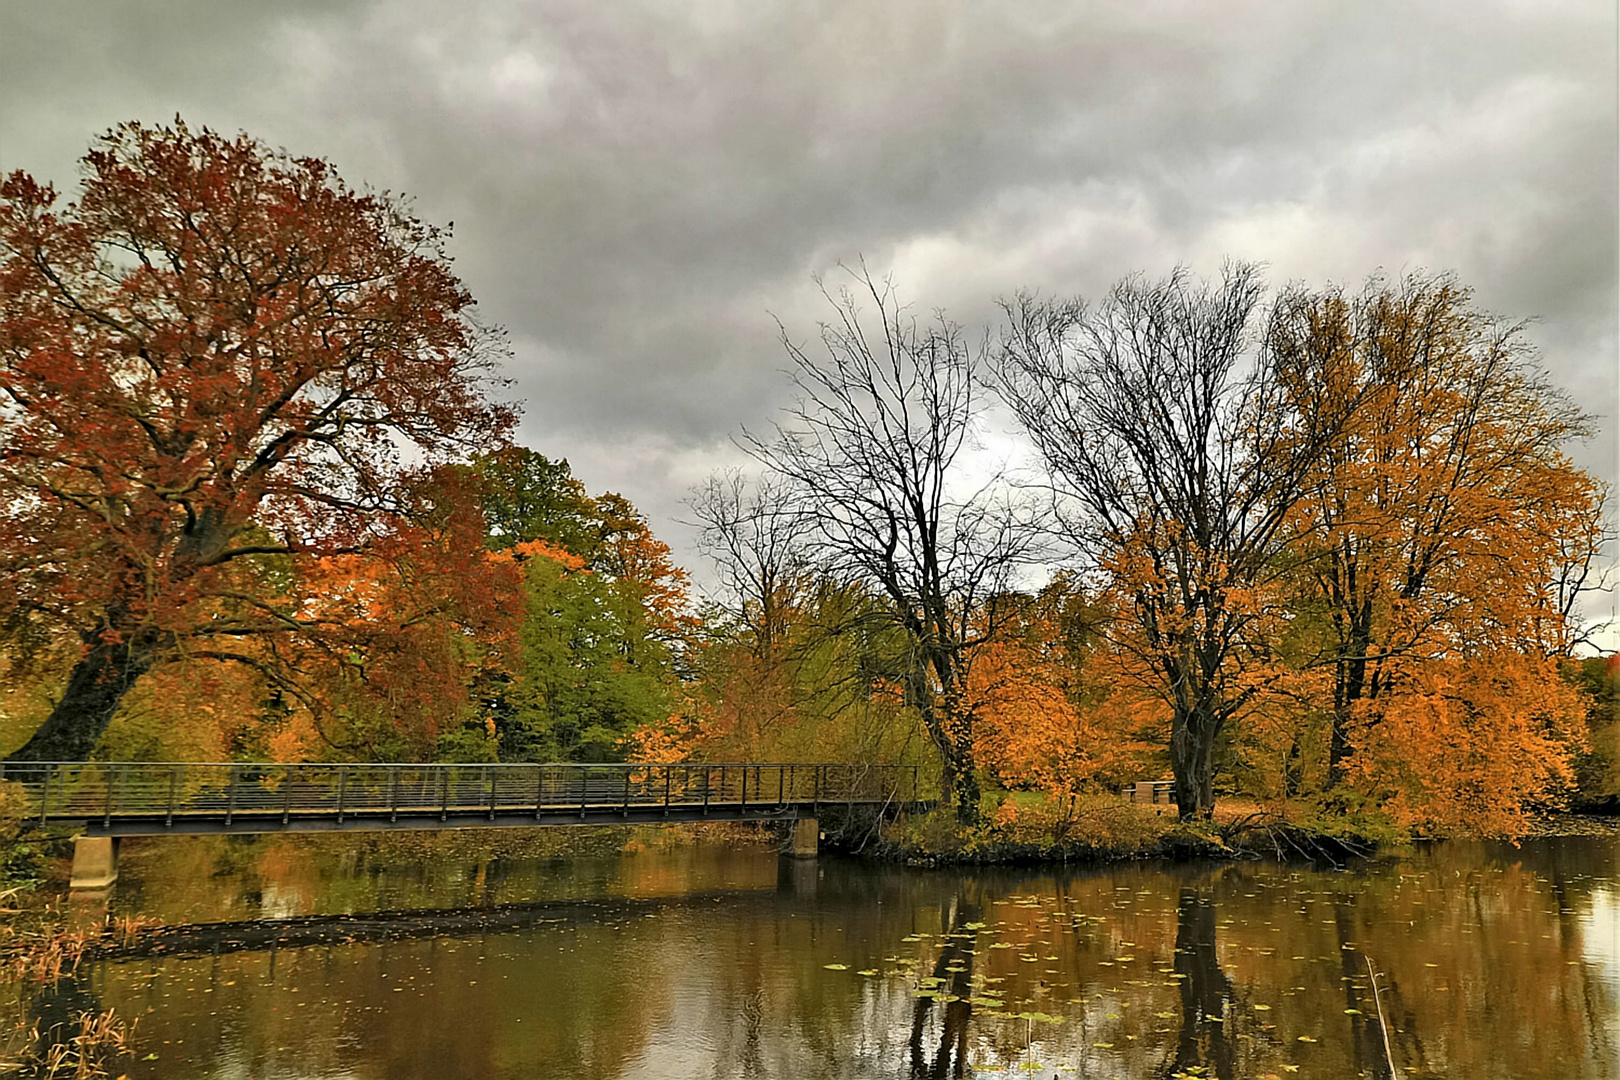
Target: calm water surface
[[716, 962]]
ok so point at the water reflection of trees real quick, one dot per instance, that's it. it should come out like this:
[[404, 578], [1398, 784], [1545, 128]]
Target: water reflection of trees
[[1361, 1004], [950, 1049], [1248, 969], [1205, 990]]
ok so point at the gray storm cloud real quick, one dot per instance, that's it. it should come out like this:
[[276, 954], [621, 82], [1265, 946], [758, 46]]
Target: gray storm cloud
[[639, 190]]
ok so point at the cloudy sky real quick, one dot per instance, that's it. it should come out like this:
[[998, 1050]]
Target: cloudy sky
[[639, 189]]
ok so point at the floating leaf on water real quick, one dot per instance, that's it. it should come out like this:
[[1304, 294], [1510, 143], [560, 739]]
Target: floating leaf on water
[[1263, 1008], [973, 926], [1306, 1038], [868, 971], [1352, 1012], [836, 967]]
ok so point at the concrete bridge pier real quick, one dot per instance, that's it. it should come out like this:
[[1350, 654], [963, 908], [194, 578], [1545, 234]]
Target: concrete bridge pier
[[95, 862], [806, 838]]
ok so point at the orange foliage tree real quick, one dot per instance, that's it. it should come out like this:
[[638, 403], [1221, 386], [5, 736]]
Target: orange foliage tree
[[1445, 538], [1468, 744], [1044, 692], [212, 365]]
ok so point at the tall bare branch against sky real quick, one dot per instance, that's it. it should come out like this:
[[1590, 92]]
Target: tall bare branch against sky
[[640, 190]]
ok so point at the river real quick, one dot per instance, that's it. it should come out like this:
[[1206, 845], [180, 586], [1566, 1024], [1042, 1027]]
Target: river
[[717, 961]]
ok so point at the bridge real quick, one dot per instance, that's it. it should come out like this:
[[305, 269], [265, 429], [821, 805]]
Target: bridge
[[106, 800]]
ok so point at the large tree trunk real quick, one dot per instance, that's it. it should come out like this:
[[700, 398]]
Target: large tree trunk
[[97, 684], [965, 789], [1192, 761], [1348, 687], [952, 736]]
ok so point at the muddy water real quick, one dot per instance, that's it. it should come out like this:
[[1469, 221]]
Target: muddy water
[[719, 962]]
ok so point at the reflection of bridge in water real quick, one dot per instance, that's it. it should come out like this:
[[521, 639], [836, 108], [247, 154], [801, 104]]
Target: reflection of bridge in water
[[120, 798]]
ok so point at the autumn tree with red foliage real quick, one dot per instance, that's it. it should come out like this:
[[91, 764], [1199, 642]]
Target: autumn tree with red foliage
[[215, 365]]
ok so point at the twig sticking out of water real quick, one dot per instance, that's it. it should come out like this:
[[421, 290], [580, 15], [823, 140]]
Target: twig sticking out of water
[[1383, 1025]]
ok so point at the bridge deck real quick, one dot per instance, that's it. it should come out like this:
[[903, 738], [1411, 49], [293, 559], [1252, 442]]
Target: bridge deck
[[141, 798]]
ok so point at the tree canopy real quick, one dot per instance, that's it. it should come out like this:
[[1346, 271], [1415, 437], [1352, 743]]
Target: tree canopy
[[219, 365]]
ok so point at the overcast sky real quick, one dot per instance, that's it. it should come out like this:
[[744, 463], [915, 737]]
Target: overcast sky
[[639, 189]]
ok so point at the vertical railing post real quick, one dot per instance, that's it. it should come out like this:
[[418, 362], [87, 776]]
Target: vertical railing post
[[781, 785], [230, 794], [444, 792], [343, 781], [287, 792], [106, 817], [539, 789], [584, 788], [705, 791], [792, 785], [174, 785], [393, 793], [667, 770], [494, 776], [817, 793], [45, 794], [624, 807]]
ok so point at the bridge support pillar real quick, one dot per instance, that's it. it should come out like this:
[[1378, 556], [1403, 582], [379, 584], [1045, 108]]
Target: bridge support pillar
[[95, 862], [806, 838]]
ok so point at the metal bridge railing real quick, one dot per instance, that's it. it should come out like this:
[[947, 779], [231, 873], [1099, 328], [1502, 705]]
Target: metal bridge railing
[[109, 791]]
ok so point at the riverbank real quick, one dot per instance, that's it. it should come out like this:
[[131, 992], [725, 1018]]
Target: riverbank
[[1104, 830]]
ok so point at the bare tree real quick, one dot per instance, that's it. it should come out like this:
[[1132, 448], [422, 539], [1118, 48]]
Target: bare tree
[[747, 531], [1163, 424], [871, 458]]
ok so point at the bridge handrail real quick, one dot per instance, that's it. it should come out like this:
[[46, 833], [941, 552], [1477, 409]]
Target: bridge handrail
[[80, 790]]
